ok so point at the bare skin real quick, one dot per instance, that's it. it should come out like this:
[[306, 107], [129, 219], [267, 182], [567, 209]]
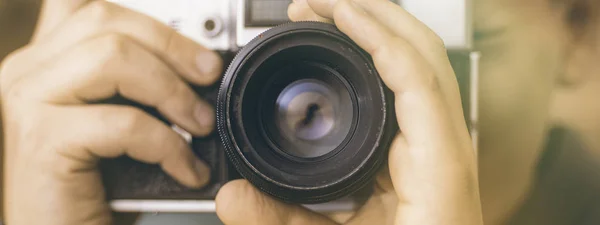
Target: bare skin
[[434, 141], [577, 106], [526, 47], [92, 50], [53, 139]]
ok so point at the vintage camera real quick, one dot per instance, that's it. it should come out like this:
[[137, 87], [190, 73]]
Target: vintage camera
[[296, 114]]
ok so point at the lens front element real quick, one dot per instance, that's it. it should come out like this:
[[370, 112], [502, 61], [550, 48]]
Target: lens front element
[[312, 115]]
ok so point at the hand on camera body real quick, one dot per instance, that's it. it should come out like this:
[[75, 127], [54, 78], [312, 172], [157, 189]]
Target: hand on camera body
[[84, 52], [431, 176]]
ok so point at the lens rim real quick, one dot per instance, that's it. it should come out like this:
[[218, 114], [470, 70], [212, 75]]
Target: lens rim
[[259, 68], [353, 180]]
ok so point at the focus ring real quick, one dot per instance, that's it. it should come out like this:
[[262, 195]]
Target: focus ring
[[305, 182]]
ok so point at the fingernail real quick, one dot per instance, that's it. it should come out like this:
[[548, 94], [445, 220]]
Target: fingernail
[[202, 172], [209, 63], [204, 115]]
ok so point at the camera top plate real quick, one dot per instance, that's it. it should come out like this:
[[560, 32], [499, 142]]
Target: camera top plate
[[222, 25]]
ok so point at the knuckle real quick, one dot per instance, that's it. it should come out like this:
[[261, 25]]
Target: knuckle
[[398, 61], [337, 10], [130, 121], [11, 67], [298, 12], [389, 49], [438, 42], [11, 57], [176, 88], [341, 9], [99, 11], [112, 48], [115, 44], [171, 88], [432, 82], [59, 166], [13, 92]]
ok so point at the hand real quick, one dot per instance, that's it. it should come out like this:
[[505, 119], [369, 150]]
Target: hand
[[432, 173], [54, 138]]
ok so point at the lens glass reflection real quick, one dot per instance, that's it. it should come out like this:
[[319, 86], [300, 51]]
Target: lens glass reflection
[[313, 117]]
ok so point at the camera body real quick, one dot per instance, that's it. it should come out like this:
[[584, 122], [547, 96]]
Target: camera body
[[227, 26]]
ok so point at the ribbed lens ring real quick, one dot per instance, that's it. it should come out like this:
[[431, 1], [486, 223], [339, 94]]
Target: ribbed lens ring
[[303, 114]]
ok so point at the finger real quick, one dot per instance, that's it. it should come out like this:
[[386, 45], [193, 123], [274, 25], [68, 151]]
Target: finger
[[408, 27], [192, 61], [323, 8], [238, 202], [53, 12], [380, 207], [395, 18], [448, 181], [113, 64], [109, 131], [402, 24], [425, 41], [446, 166], [390, 53], [421, 107], [444, 189], [299, 10]]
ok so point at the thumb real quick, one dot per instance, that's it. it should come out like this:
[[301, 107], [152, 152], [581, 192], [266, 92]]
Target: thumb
[[238, 202], [54, 12]]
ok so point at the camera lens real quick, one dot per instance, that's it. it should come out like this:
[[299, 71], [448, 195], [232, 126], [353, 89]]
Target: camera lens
[[306, 115], [309, 117], [303, 114]]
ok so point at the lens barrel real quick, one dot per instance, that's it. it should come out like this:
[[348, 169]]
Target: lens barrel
[[303, 114]]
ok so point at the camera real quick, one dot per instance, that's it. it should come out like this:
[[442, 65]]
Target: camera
[[301, 111]]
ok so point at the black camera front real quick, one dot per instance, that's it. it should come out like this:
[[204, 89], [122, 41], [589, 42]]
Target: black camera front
[[303, 114]]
